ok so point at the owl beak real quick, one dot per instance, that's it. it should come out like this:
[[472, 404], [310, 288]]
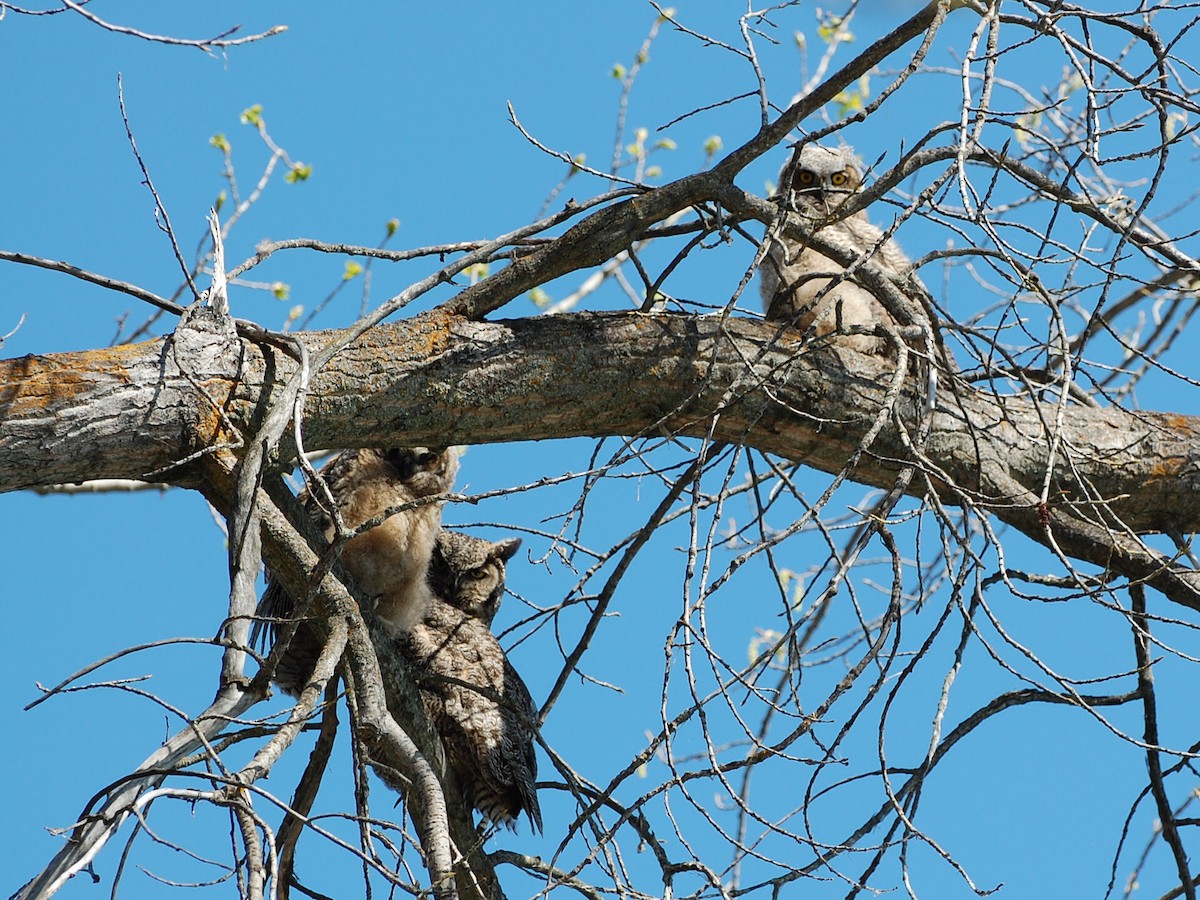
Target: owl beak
[[833, 199], [823, 200], [814, 195]]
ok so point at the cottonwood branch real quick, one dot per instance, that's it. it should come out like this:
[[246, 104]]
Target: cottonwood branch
[[99, 824], [391, 714], [132, 412], [608, 232]]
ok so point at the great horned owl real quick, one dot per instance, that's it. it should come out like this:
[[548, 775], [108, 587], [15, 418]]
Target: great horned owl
[[468, 572], [488, 733], [809, 290], [389, 562]]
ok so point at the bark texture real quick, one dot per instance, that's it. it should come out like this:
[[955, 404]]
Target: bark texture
[[148, 410], [133, 411]]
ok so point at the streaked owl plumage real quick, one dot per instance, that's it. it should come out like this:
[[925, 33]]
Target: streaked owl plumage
[[468, 572], [802, 286], [489, 744], [390, 562]]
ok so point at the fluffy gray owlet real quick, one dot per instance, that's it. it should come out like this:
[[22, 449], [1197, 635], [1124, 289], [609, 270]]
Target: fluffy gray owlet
[[489, 744], [389, 562], [468, 572], [800, 285]]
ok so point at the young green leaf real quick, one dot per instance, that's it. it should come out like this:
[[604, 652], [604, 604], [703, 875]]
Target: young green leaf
[[298, 172]]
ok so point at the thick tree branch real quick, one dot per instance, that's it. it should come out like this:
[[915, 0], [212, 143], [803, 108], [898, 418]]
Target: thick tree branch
[[131, 413]]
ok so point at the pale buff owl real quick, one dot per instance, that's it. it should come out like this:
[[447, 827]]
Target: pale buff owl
[[488, 733], [809, 290], [389, 562]]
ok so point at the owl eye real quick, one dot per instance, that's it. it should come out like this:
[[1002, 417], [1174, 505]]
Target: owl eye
[[402, 460], [477, 574], [804, 178], [839, 178]]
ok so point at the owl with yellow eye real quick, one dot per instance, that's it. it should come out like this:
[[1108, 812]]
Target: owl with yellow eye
[[808, 290]]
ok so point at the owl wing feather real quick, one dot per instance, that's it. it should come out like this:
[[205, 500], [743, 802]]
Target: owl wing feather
[[487, 732], [388, 562]]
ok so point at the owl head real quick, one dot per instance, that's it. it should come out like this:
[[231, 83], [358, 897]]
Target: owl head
[[468, 572], [423, 470], [820, 178]]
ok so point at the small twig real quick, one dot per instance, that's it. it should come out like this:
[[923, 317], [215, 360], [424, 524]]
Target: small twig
[[218, 293], [112, 284], [160, 209], [1166, 817], [566, 157], [219, 42], [15, 329]]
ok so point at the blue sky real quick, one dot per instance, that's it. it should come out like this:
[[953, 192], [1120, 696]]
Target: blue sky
[[400, 109]]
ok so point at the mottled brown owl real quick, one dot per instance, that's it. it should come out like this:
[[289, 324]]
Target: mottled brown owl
[[468, 572], [389, 562], [802, 286], [488, 734]]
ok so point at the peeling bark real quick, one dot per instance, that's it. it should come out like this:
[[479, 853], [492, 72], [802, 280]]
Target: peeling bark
[[134, 412], [130, 412]]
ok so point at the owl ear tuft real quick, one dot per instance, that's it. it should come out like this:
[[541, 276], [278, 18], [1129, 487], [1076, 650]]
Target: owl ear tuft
[[506, 548]]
